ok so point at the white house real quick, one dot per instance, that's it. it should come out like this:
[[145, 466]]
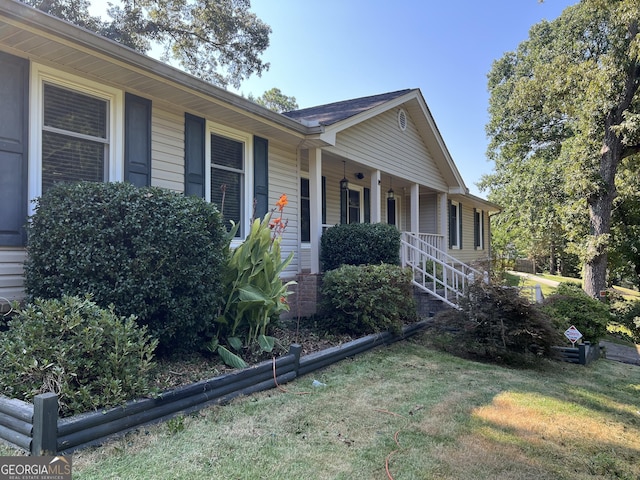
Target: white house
[[78, 106]]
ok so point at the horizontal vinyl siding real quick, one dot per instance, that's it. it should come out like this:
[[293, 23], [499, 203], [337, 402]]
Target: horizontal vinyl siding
[[167, 149], [11, 273], [428, 214], [283, 178], [468, 254], [380, 144]]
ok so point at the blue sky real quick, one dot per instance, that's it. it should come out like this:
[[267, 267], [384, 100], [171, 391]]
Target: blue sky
[[331, 50]]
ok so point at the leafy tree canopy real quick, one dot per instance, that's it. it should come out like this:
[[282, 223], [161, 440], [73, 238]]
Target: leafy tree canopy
[[219, 41], [565, 113], [275, 100]]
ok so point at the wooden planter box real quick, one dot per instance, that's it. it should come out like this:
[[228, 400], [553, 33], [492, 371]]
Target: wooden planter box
[[583, 353]]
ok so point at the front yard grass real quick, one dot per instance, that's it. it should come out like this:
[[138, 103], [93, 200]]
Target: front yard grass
[[456, 419]]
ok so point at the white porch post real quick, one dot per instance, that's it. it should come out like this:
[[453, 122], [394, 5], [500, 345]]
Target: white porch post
[[376, 201], [443, 219], [315, 206], [415, 208]]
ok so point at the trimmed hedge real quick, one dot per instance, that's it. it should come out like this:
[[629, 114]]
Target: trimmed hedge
[[367, 299], [88, 356], [359, 244], [150, 252]]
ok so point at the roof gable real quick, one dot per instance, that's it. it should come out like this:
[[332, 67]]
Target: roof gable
[[337, 117]]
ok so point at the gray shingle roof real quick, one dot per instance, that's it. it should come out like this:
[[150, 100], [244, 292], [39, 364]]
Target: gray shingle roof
[[338, 111]]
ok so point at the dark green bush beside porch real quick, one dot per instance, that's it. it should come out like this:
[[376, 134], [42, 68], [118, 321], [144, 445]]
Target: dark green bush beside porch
[[366, 299], [359, 244]]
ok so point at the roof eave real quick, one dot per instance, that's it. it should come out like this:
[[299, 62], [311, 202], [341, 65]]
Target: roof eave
[[18, 13]]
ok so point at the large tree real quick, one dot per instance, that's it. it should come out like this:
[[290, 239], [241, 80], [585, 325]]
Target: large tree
[[275, 100], [219, 41], [569, 97]]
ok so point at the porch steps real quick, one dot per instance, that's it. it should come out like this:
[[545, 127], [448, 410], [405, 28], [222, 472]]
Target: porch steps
[[428, 305], [435, 272]]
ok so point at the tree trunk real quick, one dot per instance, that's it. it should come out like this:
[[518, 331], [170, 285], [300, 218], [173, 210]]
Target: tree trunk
[[600, 205]]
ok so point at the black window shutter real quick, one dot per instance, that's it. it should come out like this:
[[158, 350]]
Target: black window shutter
[[194, 143], [324, 200], [481, 244], [452, 225], [367, 205], [137, 140], [460, 223], [14, 105], [261, 176], [476, 228]]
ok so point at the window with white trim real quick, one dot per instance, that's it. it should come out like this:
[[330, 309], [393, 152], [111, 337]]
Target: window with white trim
[[230, 159], [75, 136], [305, 210], [227, 178], [76, 130], [455, 225], [478, 229]]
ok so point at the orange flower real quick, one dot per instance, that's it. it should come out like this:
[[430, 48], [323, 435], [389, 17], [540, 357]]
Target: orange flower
[[282, 202]]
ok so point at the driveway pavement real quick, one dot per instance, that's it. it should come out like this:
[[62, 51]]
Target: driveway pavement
[[535, 278], [621, 353]]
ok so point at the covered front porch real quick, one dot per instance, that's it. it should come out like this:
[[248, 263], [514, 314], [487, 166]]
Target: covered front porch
[[337, 190]]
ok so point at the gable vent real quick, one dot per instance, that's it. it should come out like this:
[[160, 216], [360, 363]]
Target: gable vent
[[402, 119]]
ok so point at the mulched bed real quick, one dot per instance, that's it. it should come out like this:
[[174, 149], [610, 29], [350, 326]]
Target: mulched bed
[[185, 370]]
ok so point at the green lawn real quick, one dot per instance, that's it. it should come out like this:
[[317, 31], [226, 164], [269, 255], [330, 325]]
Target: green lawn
[[514, 280], [453, 419]]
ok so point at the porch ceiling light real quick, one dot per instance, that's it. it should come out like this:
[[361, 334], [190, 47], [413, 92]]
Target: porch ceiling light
[[390, 194]]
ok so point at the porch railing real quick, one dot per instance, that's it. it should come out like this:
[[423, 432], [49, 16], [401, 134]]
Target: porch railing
[[434, 270]]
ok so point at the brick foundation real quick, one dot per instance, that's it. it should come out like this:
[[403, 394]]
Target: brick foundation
[[304, 297]]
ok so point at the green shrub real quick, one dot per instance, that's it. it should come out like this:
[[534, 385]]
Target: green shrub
[[367, 298], [570, 305], [88, 356], [627, 313], [149, 252], [360, 244]]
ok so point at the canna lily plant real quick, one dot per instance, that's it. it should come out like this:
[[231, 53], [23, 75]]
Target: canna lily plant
[[254, 293]]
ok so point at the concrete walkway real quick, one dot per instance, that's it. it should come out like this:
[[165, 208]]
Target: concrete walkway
[[535, 278]]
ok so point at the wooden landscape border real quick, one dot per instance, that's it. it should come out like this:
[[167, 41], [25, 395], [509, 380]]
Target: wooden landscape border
[[36, 428]]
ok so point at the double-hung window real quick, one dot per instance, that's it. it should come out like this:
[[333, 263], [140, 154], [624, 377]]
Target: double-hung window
[[455, 225], [478, 229], [76, 133], [229, 163], [75, 136]]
